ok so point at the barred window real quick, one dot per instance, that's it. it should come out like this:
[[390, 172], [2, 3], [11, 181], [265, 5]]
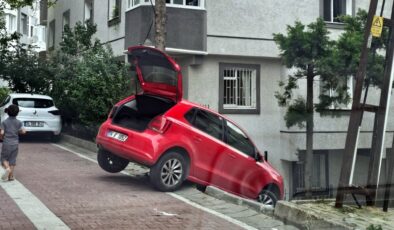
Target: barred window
[[239, 88]]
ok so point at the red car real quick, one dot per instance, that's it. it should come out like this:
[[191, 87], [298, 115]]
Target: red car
[[181, 140]]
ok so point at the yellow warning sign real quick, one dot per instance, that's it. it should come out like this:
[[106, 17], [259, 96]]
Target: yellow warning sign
[[377, 26]]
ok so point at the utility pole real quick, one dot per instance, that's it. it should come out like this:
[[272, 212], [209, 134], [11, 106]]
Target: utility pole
[[374, 24]]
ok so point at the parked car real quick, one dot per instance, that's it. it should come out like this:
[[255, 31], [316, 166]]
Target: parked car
[[181, 140], [37, 113]]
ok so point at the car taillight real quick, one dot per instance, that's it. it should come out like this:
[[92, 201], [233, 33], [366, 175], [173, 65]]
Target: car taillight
[[55, 112], [159, 124], [113, 111]]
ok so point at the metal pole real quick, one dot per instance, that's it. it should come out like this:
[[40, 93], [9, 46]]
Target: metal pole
[[355, 117]]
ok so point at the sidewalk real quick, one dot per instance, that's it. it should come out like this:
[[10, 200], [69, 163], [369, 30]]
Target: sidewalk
[[303, 214]]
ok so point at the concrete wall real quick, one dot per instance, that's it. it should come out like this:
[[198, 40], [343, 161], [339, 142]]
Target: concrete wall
[[245, 28], [264, 128], [113, 35], [186, 28]]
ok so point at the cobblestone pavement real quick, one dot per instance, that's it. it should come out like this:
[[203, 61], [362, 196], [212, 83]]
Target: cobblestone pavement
[[10, 215], [85, 197], [240, 213]]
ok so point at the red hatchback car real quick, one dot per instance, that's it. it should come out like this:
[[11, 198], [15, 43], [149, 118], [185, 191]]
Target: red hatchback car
[[180, 140]]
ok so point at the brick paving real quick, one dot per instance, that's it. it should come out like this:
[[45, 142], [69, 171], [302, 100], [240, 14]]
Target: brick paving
[[11, 217], [85, 197]]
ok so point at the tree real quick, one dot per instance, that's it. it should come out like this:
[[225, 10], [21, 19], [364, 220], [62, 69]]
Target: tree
[[307, 50], [24, 71], [312, 54], [160, 24], [88, 79], [18, 64]]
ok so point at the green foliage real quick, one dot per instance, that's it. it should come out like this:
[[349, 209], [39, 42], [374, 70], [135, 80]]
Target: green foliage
[[374, 227], [309, 52], [3, 93], [24, 71], [88, 79], [305, 49], [296, 113]]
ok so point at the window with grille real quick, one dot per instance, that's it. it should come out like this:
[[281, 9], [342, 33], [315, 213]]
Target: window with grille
[[239, 91], [332, 9]]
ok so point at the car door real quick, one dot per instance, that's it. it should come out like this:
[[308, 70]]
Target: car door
[[207, 138], [241, 169]]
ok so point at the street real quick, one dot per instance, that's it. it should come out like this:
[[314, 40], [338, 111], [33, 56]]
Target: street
[[58, 188]]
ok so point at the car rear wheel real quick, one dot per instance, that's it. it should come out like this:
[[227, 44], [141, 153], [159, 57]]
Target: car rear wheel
[[110, 162], [169, 172], [268, 198]]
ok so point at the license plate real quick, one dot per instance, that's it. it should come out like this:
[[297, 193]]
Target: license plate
[[118, 136], [34, 124]]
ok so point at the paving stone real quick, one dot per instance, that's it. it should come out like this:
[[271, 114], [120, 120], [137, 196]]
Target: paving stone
[[83, 195], [189, 192]]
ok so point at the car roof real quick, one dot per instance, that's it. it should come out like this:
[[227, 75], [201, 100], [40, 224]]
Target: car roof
[[28, 95]]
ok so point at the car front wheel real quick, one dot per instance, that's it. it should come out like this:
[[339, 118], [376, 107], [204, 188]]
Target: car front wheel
[[110, 162], [267, 197], [169, 172]]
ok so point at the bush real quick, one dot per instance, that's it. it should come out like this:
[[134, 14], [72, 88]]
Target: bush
[[88, 78]]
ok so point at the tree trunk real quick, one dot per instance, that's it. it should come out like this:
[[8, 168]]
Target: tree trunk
[[309, 134], [160, 24]]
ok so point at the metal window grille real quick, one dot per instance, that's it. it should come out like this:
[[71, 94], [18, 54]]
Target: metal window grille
[[239, 88]]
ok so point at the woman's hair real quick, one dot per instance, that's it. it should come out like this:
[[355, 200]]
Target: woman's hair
[[12, 110]]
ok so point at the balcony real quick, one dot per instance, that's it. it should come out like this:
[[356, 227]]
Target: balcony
[[186, 28]]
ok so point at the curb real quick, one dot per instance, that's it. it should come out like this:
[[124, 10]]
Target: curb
[[91, 146], [222, 195], [290, 213]]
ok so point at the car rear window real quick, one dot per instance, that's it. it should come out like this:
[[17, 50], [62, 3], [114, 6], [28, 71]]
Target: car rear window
[[33, 102]]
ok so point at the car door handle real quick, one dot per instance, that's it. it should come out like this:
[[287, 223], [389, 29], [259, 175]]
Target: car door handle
[[197, 139], [232, 156]]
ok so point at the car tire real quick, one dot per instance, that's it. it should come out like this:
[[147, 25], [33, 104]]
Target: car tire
[[110, 162], [55, 138], [201, 188], [267, 197], [169, 172]]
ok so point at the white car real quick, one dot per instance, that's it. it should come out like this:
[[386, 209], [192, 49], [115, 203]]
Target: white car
[[37, 113]]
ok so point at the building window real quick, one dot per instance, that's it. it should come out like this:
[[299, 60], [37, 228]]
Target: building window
[[170, 3], [114, 7], [320, 177], [239, 88], [332, 9], [11, 23], [88, 16], [66, 19], [25, 24], [51, 34]]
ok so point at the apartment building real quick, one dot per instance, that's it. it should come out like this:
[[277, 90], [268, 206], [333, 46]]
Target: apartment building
[[26, 22], [231, 64]]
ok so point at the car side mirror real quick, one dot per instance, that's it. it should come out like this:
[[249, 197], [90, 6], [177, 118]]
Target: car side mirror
[[266, 155]]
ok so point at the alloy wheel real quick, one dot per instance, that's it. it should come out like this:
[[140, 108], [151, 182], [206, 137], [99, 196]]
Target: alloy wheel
[[266, 199], [171, 172]]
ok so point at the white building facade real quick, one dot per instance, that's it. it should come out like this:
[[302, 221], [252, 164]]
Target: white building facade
[[26, 22], [231, 64]]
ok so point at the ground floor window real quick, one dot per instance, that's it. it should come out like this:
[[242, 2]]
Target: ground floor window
[[320, 175]]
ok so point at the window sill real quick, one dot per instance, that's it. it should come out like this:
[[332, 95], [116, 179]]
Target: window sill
[[168, 6], [114, 21], [239, 111], [335, 25]]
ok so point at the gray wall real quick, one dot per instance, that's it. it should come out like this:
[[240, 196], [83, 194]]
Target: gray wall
[[186, 28]]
